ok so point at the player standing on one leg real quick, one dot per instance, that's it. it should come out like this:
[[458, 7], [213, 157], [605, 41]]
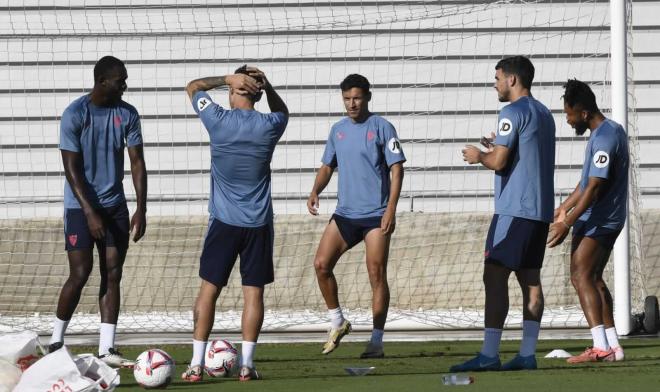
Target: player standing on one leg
[[241, 221], [366, 149], [523, 158], [597, 211], [95, 128]]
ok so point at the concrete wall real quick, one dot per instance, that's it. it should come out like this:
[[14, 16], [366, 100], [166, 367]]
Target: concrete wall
[[436, 262]]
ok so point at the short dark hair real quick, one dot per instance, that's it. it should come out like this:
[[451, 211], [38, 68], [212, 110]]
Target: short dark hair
[[355, 80], [578, 93], [105, 65], [520, 66], [243, 70]]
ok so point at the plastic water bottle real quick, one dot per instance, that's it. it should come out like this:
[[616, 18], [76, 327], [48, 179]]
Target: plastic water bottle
[[457, 379]]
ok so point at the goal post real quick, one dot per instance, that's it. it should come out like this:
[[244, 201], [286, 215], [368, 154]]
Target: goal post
[[621, 257]]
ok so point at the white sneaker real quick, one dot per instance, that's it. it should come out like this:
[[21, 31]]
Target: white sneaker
[[618, 353], [114, 358], [248, 373]]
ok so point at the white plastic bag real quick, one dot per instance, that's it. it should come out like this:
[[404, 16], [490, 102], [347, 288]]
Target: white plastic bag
[[9, 376], [62, 372], [20, 348], [91, 367]]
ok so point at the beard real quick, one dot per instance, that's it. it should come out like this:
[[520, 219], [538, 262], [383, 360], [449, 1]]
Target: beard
[[581, 128]]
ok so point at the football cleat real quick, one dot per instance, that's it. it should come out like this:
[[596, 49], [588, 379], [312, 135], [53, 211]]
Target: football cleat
[[592, 354], [520, 363], [335, 335], [479, 363], [114, 358]]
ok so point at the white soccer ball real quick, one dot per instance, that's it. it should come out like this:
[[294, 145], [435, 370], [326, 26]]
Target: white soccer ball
[[220, 359], [153, 369]]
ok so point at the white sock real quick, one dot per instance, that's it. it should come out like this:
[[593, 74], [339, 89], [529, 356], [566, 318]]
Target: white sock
[[107, 338], [491, 346], [247, 353], [377, 337], [199, 348], [600, 339], [59, 327], [530, 337], [336, 317], [612, 337]]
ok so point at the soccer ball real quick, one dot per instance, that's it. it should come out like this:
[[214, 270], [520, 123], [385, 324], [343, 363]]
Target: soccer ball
[[220, 359], [153, 369]]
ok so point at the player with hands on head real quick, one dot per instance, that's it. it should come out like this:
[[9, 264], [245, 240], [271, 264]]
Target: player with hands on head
[[242, 142]]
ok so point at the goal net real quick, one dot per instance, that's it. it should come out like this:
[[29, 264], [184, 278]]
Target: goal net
[[431, 64]]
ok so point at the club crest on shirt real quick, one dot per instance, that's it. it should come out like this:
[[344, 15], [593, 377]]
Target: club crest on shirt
[[504, 127], [394, 145], [117, 120], [340, 135], [601, 159], [203, 103], [371, 135]]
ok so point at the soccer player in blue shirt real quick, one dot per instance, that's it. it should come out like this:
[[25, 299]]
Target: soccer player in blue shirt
[[241, 222], [596, 210], [366, 150], [94, 130], [523, 158]]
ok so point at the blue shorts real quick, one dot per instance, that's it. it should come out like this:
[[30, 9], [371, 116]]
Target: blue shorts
[[516, 243], [225, 242], [603, 235], [354, 230], [77, 234]]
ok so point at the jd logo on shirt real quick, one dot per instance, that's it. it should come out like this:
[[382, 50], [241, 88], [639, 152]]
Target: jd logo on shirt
[[202, 104], [505, 126], [601, 159], [394, 145]]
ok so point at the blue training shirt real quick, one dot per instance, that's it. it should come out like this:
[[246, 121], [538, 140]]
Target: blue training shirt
[[363, 154], [99, 134], [242, 145], [525, 187], [606, 156]]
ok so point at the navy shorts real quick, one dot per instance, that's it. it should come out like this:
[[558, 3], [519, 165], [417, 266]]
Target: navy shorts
[[604, 236], [354, 230], [225, 242], [516, 243], [77, 234]]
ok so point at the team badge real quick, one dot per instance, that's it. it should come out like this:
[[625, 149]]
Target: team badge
[[203, 103], [601, 159], [340, 135], [117, 121], [371, 135], [73, 239], [504, 127], [394, 146]]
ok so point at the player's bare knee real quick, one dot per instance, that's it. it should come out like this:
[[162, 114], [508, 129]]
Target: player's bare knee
[[253, 297], [113, 275], [600, 285], [78, 276], [581, 279], [322, 267], [378, 278]]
